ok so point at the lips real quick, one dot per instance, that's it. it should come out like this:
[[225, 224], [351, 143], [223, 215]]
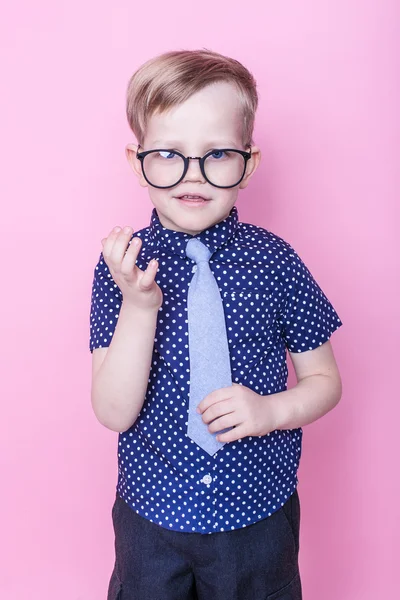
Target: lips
[[193, 197]]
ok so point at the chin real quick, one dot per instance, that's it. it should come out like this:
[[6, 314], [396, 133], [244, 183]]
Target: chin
[[198, 222], [193, 220]]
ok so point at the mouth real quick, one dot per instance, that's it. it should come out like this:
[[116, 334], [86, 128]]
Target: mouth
[[192, 199]]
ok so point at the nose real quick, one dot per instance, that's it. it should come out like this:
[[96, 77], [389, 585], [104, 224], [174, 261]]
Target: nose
[[194, 172]]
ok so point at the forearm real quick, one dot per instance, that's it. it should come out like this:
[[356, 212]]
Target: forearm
[[307, 401], [119, 386]]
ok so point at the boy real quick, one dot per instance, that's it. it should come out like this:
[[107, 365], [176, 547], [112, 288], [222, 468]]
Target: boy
[[190, 521]]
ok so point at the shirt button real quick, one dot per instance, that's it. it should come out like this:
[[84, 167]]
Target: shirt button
[[207, 479], [194, 268]]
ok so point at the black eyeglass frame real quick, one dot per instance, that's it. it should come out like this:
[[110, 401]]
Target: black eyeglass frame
[[141, 156]]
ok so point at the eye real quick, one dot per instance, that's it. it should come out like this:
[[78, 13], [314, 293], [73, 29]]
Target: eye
[[217, 154], [167, 154]]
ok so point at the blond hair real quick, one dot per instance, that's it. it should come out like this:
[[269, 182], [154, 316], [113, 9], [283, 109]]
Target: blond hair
[[171, 78]]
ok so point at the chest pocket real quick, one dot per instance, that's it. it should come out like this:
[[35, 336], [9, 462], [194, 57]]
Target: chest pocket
[[251, 316]]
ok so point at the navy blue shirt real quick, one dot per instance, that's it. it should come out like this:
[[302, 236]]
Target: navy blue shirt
[[272, 303]]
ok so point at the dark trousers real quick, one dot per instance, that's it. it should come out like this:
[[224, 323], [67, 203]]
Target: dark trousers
[[258, 562]]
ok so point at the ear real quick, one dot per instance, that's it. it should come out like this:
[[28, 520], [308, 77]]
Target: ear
[[252, 165], [130, 151]]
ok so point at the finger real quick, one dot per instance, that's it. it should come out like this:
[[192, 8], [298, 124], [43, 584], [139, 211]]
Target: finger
[[224, 407], [216, 396], [110, 240], [234, 434], [147, 279], [120, 246], [130, 258], [224, 422]]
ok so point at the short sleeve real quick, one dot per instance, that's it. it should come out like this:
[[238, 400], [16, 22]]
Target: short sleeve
[[105, 306], [307, 318]]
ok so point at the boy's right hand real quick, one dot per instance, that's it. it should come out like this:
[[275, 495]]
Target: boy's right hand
[[138, 287]]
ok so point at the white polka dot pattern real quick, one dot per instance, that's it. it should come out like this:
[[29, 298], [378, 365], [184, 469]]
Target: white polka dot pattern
[[272, 303]]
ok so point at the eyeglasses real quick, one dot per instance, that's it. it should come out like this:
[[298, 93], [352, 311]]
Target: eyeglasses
[[165, 168]]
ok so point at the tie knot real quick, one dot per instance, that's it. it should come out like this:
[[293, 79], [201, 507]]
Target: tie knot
[[197, 251]]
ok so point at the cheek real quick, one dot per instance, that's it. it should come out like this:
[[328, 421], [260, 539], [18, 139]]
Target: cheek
[[158, 197], [228, 197]]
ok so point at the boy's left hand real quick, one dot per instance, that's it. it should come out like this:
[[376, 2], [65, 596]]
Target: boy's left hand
[[238, 407]]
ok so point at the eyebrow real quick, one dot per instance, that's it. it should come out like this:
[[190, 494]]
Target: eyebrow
[[213, 144]]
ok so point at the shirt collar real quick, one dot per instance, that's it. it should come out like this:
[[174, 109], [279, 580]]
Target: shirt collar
[[175, 241]]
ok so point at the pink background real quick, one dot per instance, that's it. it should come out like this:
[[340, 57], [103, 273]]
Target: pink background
[[329, 128]]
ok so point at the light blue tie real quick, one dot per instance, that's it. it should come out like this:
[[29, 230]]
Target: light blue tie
[[208, 343]]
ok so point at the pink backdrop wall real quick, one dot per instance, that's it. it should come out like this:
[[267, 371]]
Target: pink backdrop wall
[[329, 128]]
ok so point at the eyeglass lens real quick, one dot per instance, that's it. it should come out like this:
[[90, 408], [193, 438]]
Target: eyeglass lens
[[222, 168]]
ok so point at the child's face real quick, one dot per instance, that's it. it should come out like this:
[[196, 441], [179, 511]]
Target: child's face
[[210, 119]]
